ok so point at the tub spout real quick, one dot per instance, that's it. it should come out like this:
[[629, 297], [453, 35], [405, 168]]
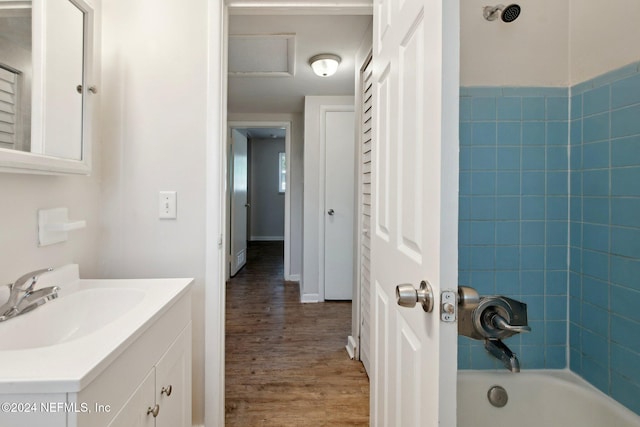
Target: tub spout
[[500, 351]]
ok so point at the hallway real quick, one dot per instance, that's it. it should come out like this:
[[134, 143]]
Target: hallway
[[286, 364]]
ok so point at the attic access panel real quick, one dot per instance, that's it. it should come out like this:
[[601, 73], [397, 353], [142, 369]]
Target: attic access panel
[[262, 55]]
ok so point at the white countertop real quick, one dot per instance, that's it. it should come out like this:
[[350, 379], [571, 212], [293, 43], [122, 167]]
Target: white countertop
[[69, 366]]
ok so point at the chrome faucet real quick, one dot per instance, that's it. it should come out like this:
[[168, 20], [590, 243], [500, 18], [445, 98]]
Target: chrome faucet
[[492, 319], [500, 351], [22, 296]]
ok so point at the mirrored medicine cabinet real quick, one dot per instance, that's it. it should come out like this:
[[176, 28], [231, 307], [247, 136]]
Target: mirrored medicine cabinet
[[47, 86]]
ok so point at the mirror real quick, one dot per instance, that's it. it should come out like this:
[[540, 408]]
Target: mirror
[[46, 86], [15, 77]]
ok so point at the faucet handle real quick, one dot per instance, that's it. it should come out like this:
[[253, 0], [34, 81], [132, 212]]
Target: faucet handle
[[31, 300], [501, 323], [33, 276]]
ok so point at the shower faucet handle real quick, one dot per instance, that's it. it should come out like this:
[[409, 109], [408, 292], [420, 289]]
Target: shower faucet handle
[[501, 323], [495, 317]]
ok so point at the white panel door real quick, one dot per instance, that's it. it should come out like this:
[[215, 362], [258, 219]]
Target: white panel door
[[414, 233], [339, 203], [239, 202]]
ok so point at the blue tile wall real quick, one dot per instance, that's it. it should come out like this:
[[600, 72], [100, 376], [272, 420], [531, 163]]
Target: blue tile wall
[[604, 331], [514, 173], [542, 174]]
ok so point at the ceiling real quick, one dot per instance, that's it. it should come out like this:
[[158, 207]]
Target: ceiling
[[337, 34]]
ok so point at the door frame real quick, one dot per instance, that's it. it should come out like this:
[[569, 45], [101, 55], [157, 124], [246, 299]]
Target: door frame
[[241, 124], [216, 177]]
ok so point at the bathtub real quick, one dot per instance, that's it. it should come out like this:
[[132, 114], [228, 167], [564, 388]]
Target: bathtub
[[538, 398]]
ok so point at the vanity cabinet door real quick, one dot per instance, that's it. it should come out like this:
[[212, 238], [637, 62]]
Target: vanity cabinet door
[[173, 383], [134, 412]]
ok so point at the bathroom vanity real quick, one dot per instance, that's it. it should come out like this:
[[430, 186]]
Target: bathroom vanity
[[104, 353]]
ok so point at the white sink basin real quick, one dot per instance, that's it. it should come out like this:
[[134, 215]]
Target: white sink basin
[[65, 343], [68, 317]]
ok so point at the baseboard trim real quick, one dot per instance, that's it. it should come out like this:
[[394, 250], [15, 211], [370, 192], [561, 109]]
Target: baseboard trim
[[266, 238], [352, 347], [309, 298], [292, 278]]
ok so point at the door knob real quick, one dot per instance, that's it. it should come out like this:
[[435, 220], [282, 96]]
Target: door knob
[[408, 296], [247, 205], [331, 212]]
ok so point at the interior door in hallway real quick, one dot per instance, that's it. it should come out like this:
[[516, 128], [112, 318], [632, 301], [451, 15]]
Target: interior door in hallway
[[239, 201], [415, 209], [339, 142]]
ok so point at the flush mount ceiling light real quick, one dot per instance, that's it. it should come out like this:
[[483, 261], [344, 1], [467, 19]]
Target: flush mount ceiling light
[[325, 64]]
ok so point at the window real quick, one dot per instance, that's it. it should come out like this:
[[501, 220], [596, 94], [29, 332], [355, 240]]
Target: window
[[282, 172]]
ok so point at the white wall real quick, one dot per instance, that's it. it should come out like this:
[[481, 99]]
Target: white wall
[[267, 203], [154, 102], [313, 210], [604, 37], [552, 43], [22, 196], [296, 166], [531, 51]]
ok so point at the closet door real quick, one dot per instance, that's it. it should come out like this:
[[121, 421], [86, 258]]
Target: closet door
[[339, 204], [365, 215], [239, 201]]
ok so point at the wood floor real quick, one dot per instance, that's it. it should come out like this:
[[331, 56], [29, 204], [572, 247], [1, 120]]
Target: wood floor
[[286, 363]]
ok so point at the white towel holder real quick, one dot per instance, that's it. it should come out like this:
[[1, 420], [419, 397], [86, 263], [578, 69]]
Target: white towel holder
[[53, 225]]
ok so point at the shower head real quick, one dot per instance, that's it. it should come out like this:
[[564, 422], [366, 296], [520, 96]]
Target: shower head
[[510, 13], [507, 14]]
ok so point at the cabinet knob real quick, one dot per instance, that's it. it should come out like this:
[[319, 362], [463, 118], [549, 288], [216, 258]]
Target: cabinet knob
[[166, 390], [92, 89], [154, 411]]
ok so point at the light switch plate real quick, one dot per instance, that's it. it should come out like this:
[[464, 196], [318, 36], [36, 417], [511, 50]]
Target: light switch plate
[[167, 205]]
